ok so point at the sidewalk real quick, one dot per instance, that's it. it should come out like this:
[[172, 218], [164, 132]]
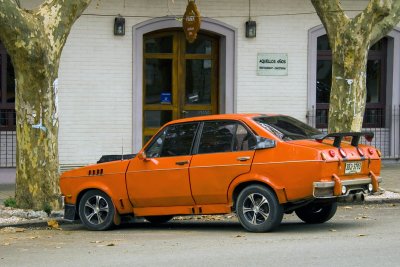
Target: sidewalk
[[390, 174]]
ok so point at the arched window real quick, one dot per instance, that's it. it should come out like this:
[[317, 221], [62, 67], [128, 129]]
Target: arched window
[[376, 83]]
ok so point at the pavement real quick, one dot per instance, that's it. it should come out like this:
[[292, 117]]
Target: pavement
[[390, 173]]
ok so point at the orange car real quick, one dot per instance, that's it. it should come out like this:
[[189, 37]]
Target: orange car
[[259, 166]]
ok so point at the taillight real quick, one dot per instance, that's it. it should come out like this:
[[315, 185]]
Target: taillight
[[371, 151], [360, 151], [332, 153], [342, 153]]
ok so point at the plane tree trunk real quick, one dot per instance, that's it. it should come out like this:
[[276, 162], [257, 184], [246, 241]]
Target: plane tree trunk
[[350, 40], [34, 39]]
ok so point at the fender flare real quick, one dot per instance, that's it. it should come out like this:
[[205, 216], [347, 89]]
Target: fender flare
[[260, 179]]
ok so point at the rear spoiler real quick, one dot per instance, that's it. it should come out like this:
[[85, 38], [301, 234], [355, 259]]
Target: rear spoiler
[[339, 137]]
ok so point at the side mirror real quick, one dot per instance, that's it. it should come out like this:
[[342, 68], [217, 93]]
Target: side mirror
[[142, 156], [263, 143]]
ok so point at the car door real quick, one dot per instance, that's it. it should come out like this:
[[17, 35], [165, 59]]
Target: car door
[[162, 178], [225, 150]]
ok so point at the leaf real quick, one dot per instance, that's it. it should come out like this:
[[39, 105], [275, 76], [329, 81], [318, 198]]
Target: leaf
[[332, 230], [53, 224], [111, 245], [361, 235]]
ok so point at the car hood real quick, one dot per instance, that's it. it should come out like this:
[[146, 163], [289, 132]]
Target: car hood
[[98, 169]]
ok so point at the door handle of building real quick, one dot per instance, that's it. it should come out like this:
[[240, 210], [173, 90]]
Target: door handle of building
[[243, 158], [182, 162]]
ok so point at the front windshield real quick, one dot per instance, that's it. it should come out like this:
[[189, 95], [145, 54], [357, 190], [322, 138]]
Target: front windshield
[[287, 128]]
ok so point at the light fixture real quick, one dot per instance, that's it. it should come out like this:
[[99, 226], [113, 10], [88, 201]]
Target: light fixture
[[251, 26], [119, 26]]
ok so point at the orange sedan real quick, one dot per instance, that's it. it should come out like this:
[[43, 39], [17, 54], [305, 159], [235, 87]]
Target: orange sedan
[[259, 166]]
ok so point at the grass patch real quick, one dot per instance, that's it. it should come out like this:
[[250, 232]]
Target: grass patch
[[10, 202]]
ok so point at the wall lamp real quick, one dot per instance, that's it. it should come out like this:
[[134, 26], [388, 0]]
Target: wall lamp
[[119, 26], [251, 29]]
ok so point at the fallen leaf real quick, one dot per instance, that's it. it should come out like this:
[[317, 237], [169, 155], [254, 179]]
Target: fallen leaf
[[348, 207], [361, 235], [96, 242], [111, 245], [54, 224], [332, 230], [240, 236]]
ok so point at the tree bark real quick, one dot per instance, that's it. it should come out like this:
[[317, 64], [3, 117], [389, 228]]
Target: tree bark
[[34, 40], [350, 40]]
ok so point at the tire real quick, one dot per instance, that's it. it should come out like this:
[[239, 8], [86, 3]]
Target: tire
[[315, 213], [96, 210], [159, 219], [258, 209]]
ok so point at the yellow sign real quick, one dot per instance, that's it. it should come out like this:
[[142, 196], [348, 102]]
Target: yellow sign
[[191, 21]]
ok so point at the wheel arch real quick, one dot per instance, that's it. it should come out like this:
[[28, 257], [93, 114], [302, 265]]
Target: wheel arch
[[243, 181]]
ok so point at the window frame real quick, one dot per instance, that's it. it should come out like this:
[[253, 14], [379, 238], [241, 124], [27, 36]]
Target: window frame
[[372, 55]]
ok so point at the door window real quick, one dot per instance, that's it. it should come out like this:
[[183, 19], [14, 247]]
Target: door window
[[180, 79], [174, 140], [225, 136]]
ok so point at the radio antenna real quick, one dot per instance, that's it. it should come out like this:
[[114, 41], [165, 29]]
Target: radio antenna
[[122, 149]]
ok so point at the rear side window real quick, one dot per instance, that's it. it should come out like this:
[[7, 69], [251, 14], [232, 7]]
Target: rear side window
[[225, 136], [287, 128], [174, 140]]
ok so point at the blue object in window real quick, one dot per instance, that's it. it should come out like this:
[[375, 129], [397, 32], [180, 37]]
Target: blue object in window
[[165, 98]]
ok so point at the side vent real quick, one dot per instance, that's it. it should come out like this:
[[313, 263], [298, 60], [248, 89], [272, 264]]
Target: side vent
[[97, 172]]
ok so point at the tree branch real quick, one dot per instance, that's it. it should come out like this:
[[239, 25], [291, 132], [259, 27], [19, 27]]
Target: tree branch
[[57, 17], [12, 22], [331, 15], [386, 24]]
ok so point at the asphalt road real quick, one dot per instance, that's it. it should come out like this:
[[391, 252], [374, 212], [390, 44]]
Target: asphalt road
[[356, 236]]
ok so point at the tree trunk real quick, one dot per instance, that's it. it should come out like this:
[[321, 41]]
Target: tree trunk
[[348, 93], [34, 40], [350, 40], [37, 134]]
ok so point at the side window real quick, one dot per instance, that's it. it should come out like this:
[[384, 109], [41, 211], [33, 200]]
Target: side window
[[225, 136], [175, 140], [244, 140]]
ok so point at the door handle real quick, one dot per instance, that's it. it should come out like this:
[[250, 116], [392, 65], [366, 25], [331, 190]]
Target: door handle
[[182, 162], [243, 158]]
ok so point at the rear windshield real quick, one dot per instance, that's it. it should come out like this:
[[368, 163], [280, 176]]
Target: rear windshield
[[287, 128]]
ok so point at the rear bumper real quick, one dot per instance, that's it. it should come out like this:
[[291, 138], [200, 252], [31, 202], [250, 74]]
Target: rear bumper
[[342, 188]]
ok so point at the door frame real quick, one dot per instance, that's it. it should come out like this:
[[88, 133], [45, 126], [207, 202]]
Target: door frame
[[227, 66]]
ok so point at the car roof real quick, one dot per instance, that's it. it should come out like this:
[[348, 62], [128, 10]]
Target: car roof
[[222, 117]]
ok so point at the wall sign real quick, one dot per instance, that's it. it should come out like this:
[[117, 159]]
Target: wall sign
[[191, 21], [271, 64]]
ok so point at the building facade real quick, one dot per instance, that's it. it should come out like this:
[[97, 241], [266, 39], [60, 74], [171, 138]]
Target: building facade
[[116, 91]]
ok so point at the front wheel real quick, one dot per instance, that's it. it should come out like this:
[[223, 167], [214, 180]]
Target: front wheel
[[258, 209], [315, 213], [96, 210]]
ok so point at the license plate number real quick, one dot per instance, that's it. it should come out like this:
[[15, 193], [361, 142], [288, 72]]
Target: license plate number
[[352, 167]]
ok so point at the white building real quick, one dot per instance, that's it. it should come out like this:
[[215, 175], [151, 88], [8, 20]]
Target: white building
[[115, 91]]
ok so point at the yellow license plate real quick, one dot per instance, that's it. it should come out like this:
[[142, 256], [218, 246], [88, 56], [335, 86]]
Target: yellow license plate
[[353, 167]]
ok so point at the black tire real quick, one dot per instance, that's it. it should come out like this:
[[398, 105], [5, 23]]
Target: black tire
[[315, 213], [96, 210], [258, 209], [159, 219]]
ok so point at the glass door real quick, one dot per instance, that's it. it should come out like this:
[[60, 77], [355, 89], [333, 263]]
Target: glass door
[[180, 79]]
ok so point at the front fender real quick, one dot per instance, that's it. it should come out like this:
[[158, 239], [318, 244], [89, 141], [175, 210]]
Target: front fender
[[256, 178]]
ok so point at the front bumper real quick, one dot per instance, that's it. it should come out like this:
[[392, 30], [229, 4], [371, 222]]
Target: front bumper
[[342, 188]]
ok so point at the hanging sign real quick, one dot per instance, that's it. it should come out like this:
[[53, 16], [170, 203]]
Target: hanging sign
[[191, 21]]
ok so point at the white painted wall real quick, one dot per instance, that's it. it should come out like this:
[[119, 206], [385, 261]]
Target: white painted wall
[[96, 91]]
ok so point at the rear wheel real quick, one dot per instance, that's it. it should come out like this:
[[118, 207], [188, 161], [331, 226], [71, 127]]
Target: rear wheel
[[96, 210], [258, 209], [159, 219], [317, 212]]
